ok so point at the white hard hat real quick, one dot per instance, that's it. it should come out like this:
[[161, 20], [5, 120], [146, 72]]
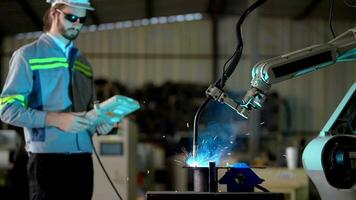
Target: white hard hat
[[85, 4]]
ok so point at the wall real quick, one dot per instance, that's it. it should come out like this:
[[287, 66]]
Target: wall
[[181, 52]]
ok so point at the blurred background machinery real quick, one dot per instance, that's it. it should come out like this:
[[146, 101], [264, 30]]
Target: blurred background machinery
[[118, 153]]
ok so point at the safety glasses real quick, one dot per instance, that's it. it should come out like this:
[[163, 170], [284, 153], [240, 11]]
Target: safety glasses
[[72, 18]]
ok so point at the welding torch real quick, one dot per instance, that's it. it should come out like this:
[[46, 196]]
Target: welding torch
[[219, 84]]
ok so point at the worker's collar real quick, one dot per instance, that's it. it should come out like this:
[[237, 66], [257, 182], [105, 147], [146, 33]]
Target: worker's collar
[[63, 46]]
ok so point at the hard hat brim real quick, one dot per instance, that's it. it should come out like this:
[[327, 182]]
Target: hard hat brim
[[77, 5]]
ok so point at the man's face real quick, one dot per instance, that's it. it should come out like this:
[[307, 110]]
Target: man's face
[[70, 21]]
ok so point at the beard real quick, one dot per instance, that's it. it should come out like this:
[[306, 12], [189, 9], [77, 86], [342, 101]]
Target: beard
[[69, 33]]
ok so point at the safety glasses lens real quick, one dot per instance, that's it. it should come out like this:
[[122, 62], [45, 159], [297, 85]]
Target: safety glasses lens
[[73, 18]]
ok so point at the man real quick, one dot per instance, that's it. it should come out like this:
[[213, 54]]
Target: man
[[48, 88]]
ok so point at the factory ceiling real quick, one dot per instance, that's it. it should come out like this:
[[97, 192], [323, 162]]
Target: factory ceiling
[[19, 16]]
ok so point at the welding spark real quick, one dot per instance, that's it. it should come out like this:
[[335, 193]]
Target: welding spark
[[213, 144], [164, 136], [148, 171], [205, 156], [185, 152], [181, 163], [262, 123], [195, 164], [187, 125], [247, 134]]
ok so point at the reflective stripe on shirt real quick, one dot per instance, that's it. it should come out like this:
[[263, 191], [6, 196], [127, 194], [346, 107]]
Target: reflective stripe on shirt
[[58, 62], [48, 63], [11, 99], [83, 68]]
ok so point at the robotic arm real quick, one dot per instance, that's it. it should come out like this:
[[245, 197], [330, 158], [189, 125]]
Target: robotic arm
[[284, 67], [294, 64], [330, 159]]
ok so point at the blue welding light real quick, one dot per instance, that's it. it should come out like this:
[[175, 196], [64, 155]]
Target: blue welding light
[[240, 165], [203, 159], [209, 150], [213, 143]]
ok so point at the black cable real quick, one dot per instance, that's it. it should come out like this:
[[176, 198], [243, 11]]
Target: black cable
[[331, 17], [228, 60], [104, 170], [235, 58], [262, 188], [238, 52]]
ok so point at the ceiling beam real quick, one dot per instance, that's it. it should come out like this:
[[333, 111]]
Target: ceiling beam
[[149, 9], [307, 10], [93, 14], [31, 13], [215, 7]]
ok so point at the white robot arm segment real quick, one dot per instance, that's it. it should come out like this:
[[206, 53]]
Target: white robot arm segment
[[297, 63]]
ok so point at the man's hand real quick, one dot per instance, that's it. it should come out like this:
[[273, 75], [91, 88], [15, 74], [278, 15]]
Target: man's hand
[[68, 122], [104, 128]]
